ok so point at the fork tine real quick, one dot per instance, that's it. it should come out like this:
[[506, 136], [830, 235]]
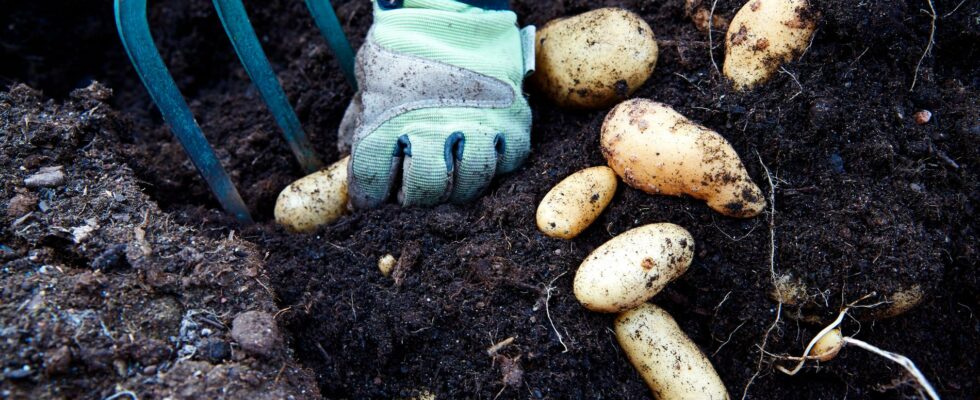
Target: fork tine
[[135, 34], [326, 20], [239, 29]]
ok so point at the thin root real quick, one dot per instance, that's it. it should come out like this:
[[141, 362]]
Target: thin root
[[711, 47], [813, 342], [905, 362], [547, 310], [492, 351], [900, 360], [772, 272], [932, 41]]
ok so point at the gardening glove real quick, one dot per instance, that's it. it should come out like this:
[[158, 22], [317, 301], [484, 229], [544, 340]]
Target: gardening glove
[[440, 110]]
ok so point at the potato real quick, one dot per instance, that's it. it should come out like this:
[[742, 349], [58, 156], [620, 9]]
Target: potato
[[900, 302], [595, 59], [631, 268], [762, 36], [575, 202], [314, 200], [827, 346], [670, 363], [386, 264], [657, 150]]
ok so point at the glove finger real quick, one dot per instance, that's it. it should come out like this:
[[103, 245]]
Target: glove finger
[[475, 164], [426, 171], [350, 122], [511, 151], [373, 170]]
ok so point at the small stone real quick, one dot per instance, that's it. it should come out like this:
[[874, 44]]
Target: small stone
[[256, 332], [916, 187], [216, 351], [21, 204], [922, 117], [46, 177]]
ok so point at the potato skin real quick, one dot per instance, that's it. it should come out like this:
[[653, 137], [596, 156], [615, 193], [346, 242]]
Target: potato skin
[[827, 346], [659, 151], [670, 363], [314, 200], [575, 202], [594, 59], [762, 36], [900, 302], [631, 268]]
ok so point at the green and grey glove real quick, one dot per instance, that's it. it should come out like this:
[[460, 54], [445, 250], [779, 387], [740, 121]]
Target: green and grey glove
[[440, 110]]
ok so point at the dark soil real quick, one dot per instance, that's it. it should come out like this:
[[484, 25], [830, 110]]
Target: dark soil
[[867, 203]]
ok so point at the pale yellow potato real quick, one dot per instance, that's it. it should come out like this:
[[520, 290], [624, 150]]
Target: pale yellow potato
[[594, 59], [575, 202], [827, 346], [900, 302], [659, 151], [386, 264], [631, 268], [314, 200], [671, 364], [762, 36]]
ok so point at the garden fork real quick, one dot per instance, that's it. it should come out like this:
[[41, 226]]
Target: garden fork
[[134, 30]]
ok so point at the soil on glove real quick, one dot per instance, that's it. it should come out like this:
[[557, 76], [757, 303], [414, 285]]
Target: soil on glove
[[121, 273]]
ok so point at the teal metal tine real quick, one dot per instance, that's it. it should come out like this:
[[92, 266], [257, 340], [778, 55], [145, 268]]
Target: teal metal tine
[[239, 29], [135, 34], [326, 20]]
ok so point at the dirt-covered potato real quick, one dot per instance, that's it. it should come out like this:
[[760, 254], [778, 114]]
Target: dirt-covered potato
[[762, 36], [575, 202], [900, 302], [810, 307], [658, 150], [670, 363], [595, 59], [314, 200], [631, 268]]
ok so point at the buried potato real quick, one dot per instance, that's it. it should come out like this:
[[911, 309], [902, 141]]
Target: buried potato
[[762, 36], [659, 151], [631, 268], [595, 59], [810, 305], [314, 200], [670, 363]]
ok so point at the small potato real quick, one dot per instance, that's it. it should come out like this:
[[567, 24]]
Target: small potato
[[659, 151], [575, 202], [670, 363], [900, 302], [827, 346], [762, 36], [314, 200], [631, 268], [595, 59], [386, 264]]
